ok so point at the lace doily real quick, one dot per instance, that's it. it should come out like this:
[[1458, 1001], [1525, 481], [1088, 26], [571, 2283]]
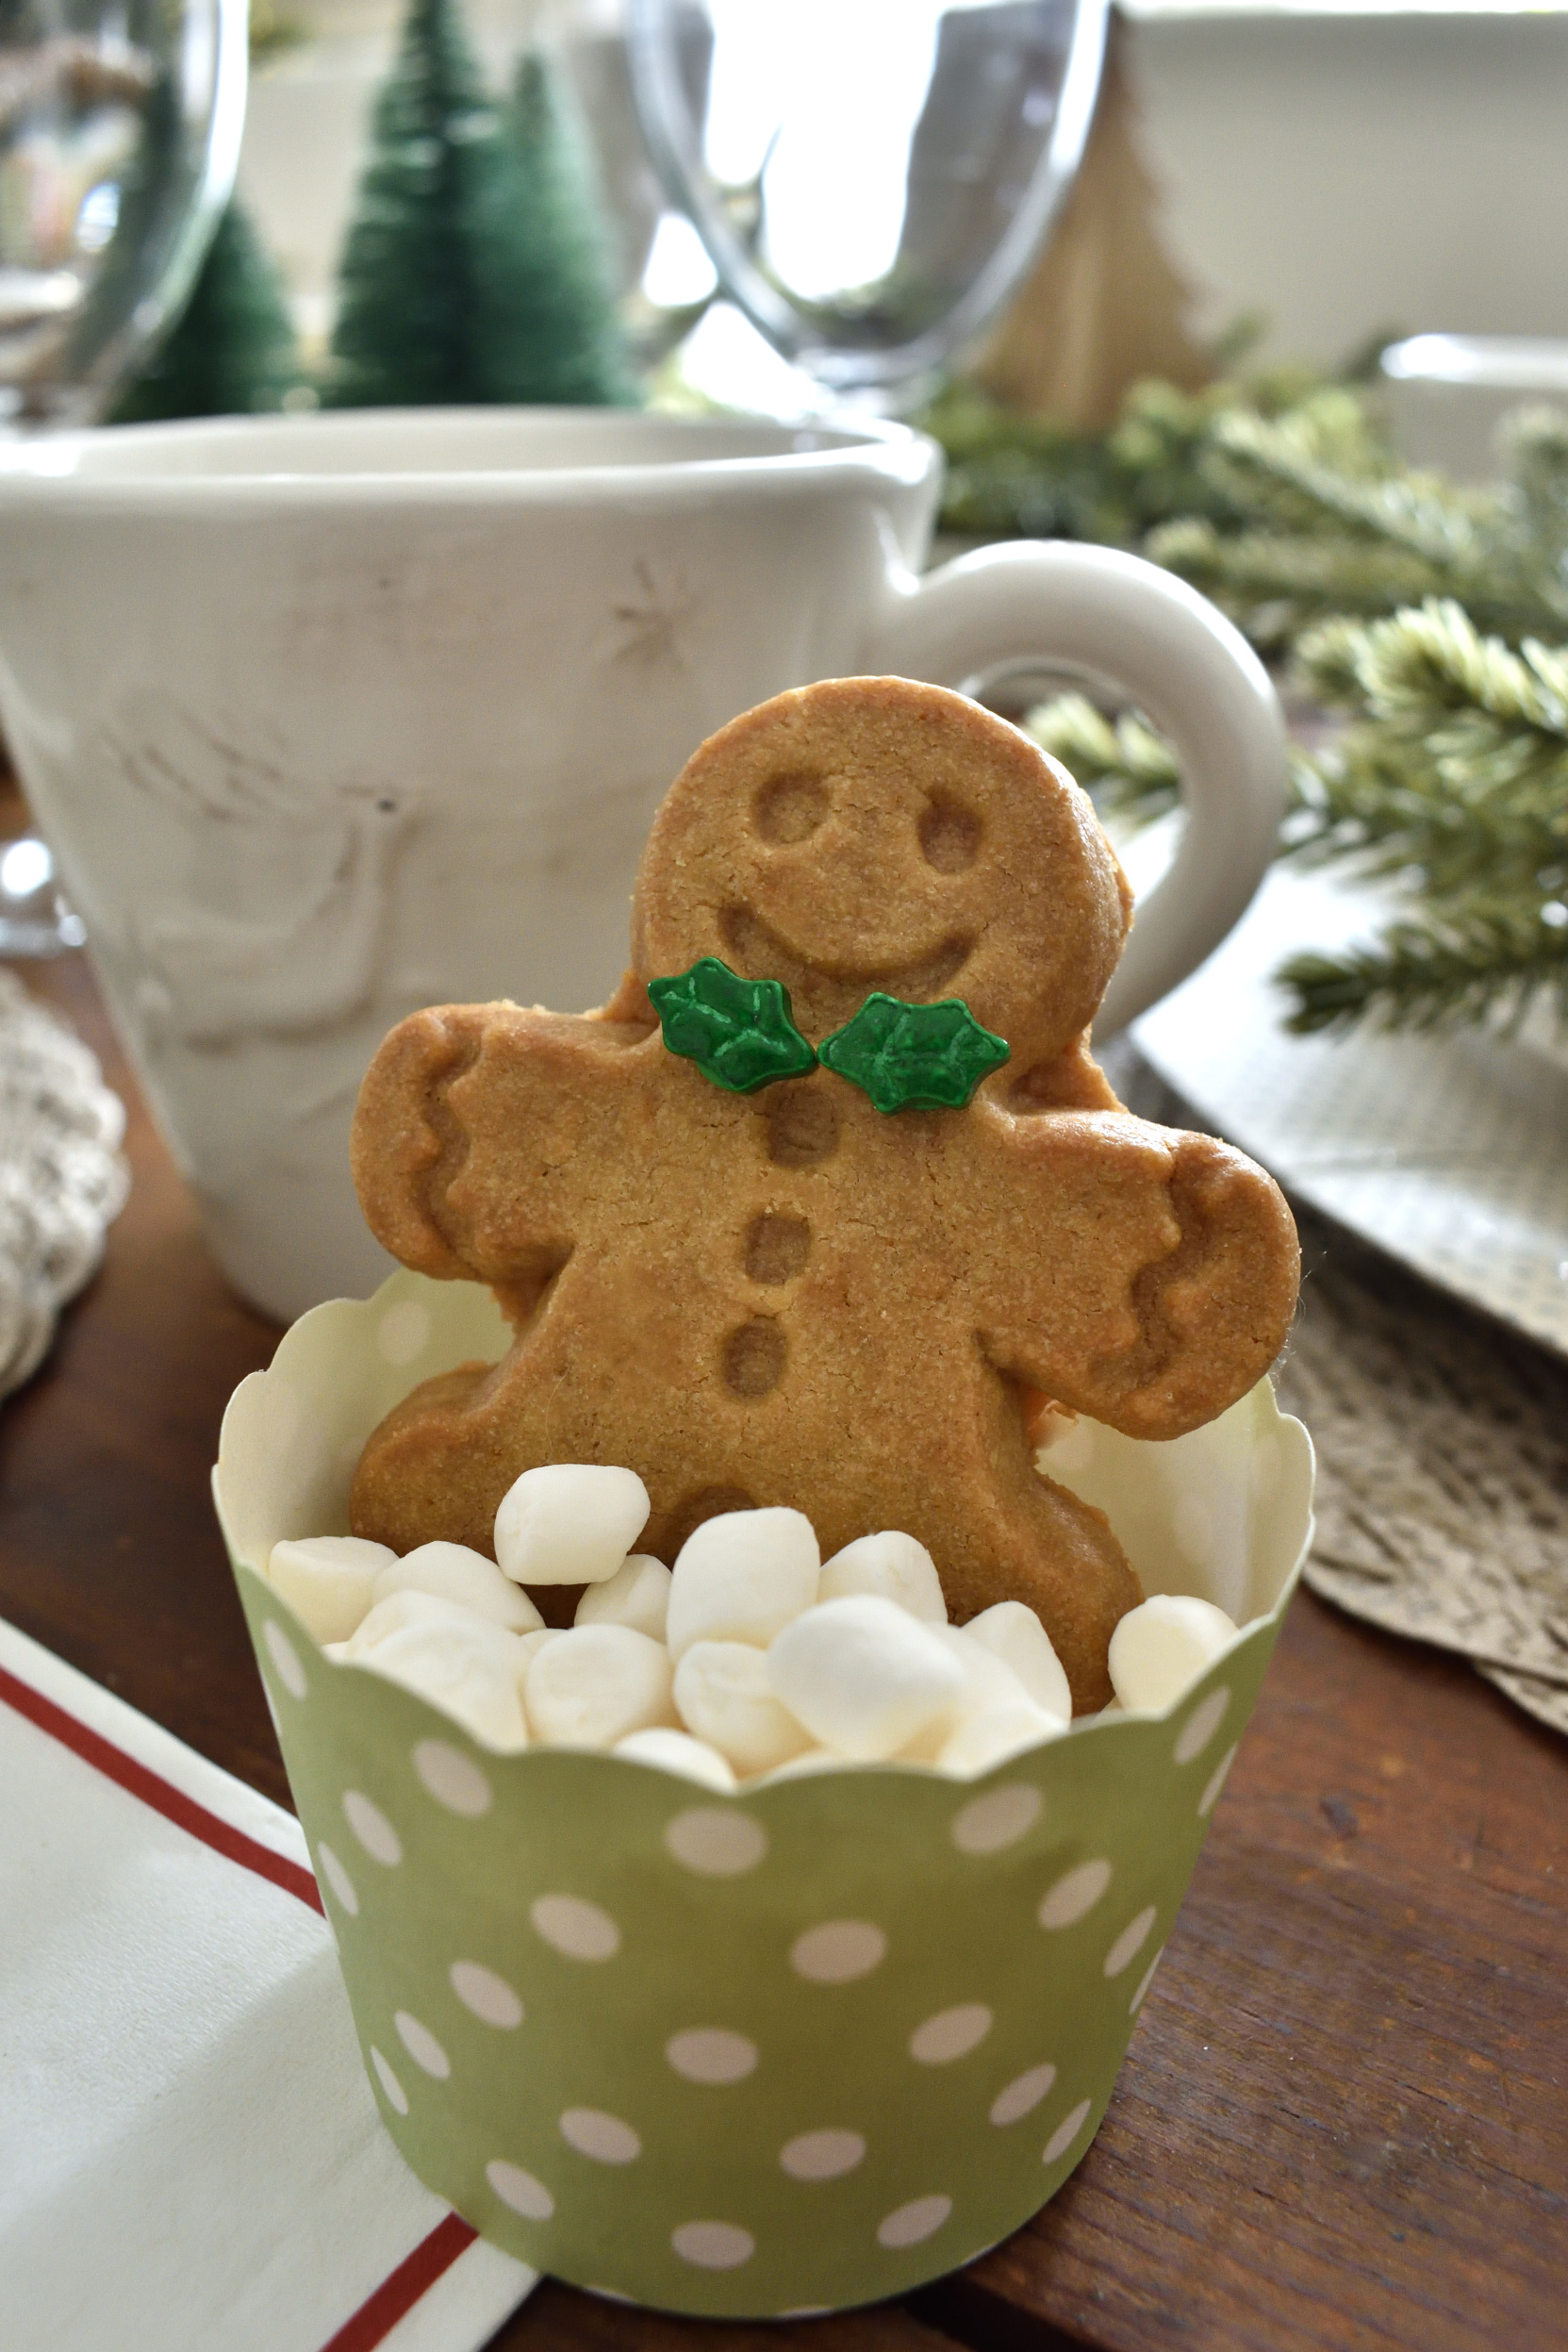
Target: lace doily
[[1442, 1474], [61, 1178]]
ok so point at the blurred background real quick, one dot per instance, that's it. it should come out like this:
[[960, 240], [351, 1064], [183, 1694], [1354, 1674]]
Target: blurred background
[[1344, 170]]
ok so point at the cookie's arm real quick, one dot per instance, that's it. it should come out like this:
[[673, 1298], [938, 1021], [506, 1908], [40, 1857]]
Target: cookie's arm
[[1154, 1273], [477, 1134]]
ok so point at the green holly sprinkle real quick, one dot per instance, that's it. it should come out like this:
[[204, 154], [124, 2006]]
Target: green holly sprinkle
[[738, 1031], [920, 1057]]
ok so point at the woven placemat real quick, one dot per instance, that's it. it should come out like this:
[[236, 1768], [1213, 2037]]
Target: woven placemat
[[1443, 1455], [63, 1181]]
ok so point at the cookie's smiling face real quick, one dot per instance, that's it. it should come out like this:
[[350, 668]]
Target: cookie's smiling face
[[869, 832]]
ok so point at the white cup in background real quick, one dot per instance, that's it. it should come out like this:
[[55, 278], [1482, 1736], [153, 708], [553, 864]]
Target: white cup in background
[[329, 718]]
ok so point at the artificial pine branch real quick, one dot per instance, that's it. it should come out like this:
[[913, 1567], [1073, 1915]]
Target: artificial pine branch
[[1131, 771], [1455, 769], [1336, 528], [1281, 499], [1452, 776], [1433, 617], [1478, 960]]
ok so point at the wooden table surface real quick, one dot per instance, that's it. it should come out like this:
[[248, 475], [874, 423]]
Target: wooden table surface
[[1344, 2119]]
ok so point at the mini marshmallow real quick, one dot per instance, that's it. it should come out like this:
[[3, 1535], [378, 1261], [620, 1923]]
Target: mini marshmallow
[[742, 1577], [462, 1668], [863, 1675], [1014, 1635], [569, 1523], [677, 1752], [529, 1644], [455, 1572], [326, 1581], [1161, 1646], [891, 1565], [724, 1697], [989, 1684], [596, 1682], [638, 1594], [993, 1734], [526, 1650], [398, 1612], [810, 1759]]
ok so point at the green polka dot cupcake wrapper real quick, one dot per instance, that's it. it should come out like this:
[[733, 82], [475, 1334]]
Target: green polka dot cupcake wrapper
[[790, 2050]]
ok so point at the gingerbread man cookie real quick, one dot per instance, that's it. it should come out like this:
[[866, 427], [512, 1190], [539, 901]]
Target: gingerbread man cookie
[[753, 1286]]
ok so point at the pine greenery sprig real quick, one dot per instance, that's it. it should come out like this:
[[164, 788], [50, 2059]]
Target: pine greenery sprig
[[1279, 497], [1481, 959], [1432, 617], [1333, 526], [1131, 771], [1454, 772], [1010, 475], [1451, 777]]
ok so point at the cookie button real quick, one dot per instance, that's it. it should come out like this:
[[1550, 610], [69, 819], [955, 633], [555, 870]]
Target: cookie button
[[777, 1247], [754, 1358]]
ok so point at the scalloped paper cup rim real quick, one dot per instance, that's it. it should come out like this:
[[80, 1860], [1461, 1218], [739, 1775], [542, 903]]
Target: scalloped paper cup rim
[[804, 2046]]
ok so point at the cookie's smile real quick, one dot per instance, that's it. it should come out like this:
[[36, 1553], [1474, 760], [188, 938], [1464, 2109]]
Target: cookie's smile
[[826, 997]]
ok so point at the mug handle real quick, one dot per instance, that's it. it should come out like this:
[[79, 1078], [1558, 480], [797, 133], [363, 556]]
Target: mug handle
[[1121, 623]]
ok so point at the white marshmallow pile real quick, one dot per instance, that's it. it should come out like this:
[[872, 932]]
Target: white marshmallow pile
[[752, 1655]]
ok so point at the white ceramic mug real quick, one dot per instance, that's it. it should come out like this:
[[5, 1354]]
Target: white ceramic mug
[[329, 718]]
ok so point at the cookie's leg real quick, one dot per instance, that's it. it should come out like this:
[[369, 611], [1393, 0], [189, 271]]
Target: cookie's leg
[[437, 1467], [1040, 1544], [416, 1482]]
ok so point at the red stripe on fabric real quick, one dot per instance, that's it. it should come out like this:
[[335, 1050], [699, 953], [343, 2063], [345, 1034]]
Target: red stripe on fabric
[[396, 2296], [161, 1794], [433, 2256]]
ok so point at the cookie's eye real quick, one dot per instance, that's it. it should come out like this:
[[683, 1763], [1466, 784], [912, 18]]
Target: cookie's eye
[[949, 835], [791, 808]]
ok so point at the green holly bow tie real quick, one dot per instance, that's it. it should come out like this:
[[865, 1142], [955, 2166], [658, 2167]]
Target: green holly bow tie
[[740, 1035]]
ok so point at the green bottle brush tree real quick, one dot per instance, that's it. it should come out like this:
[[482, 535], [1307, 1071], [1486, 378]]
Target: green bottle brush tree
[[474, 268]]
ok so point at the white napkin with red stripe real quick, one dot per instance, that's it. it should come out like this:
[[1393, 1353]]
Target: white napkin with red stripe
[[190, 2158]]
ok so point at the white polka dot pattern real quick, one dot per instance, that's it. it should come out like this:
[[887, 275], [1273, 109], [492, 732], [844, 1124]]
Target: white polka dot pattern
[[712, 2054], [1022, 2095], [1074, 1896], [1066, 2133], [286, 1657], [1201, 1725], [1144, 1982], [997, 1820], [952, 2033], [339, 1879], [1216, 1781], [421, 2046], [838, 1951], [913, 2223], [519, 2190], [396, 2095], [1130, 1943], [490, 1997], [821, 2155], [577, 1930], [726, 2053], [715, 1843], [606, 2137], [372, 1829], [453, 1778], [712, 2244]]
